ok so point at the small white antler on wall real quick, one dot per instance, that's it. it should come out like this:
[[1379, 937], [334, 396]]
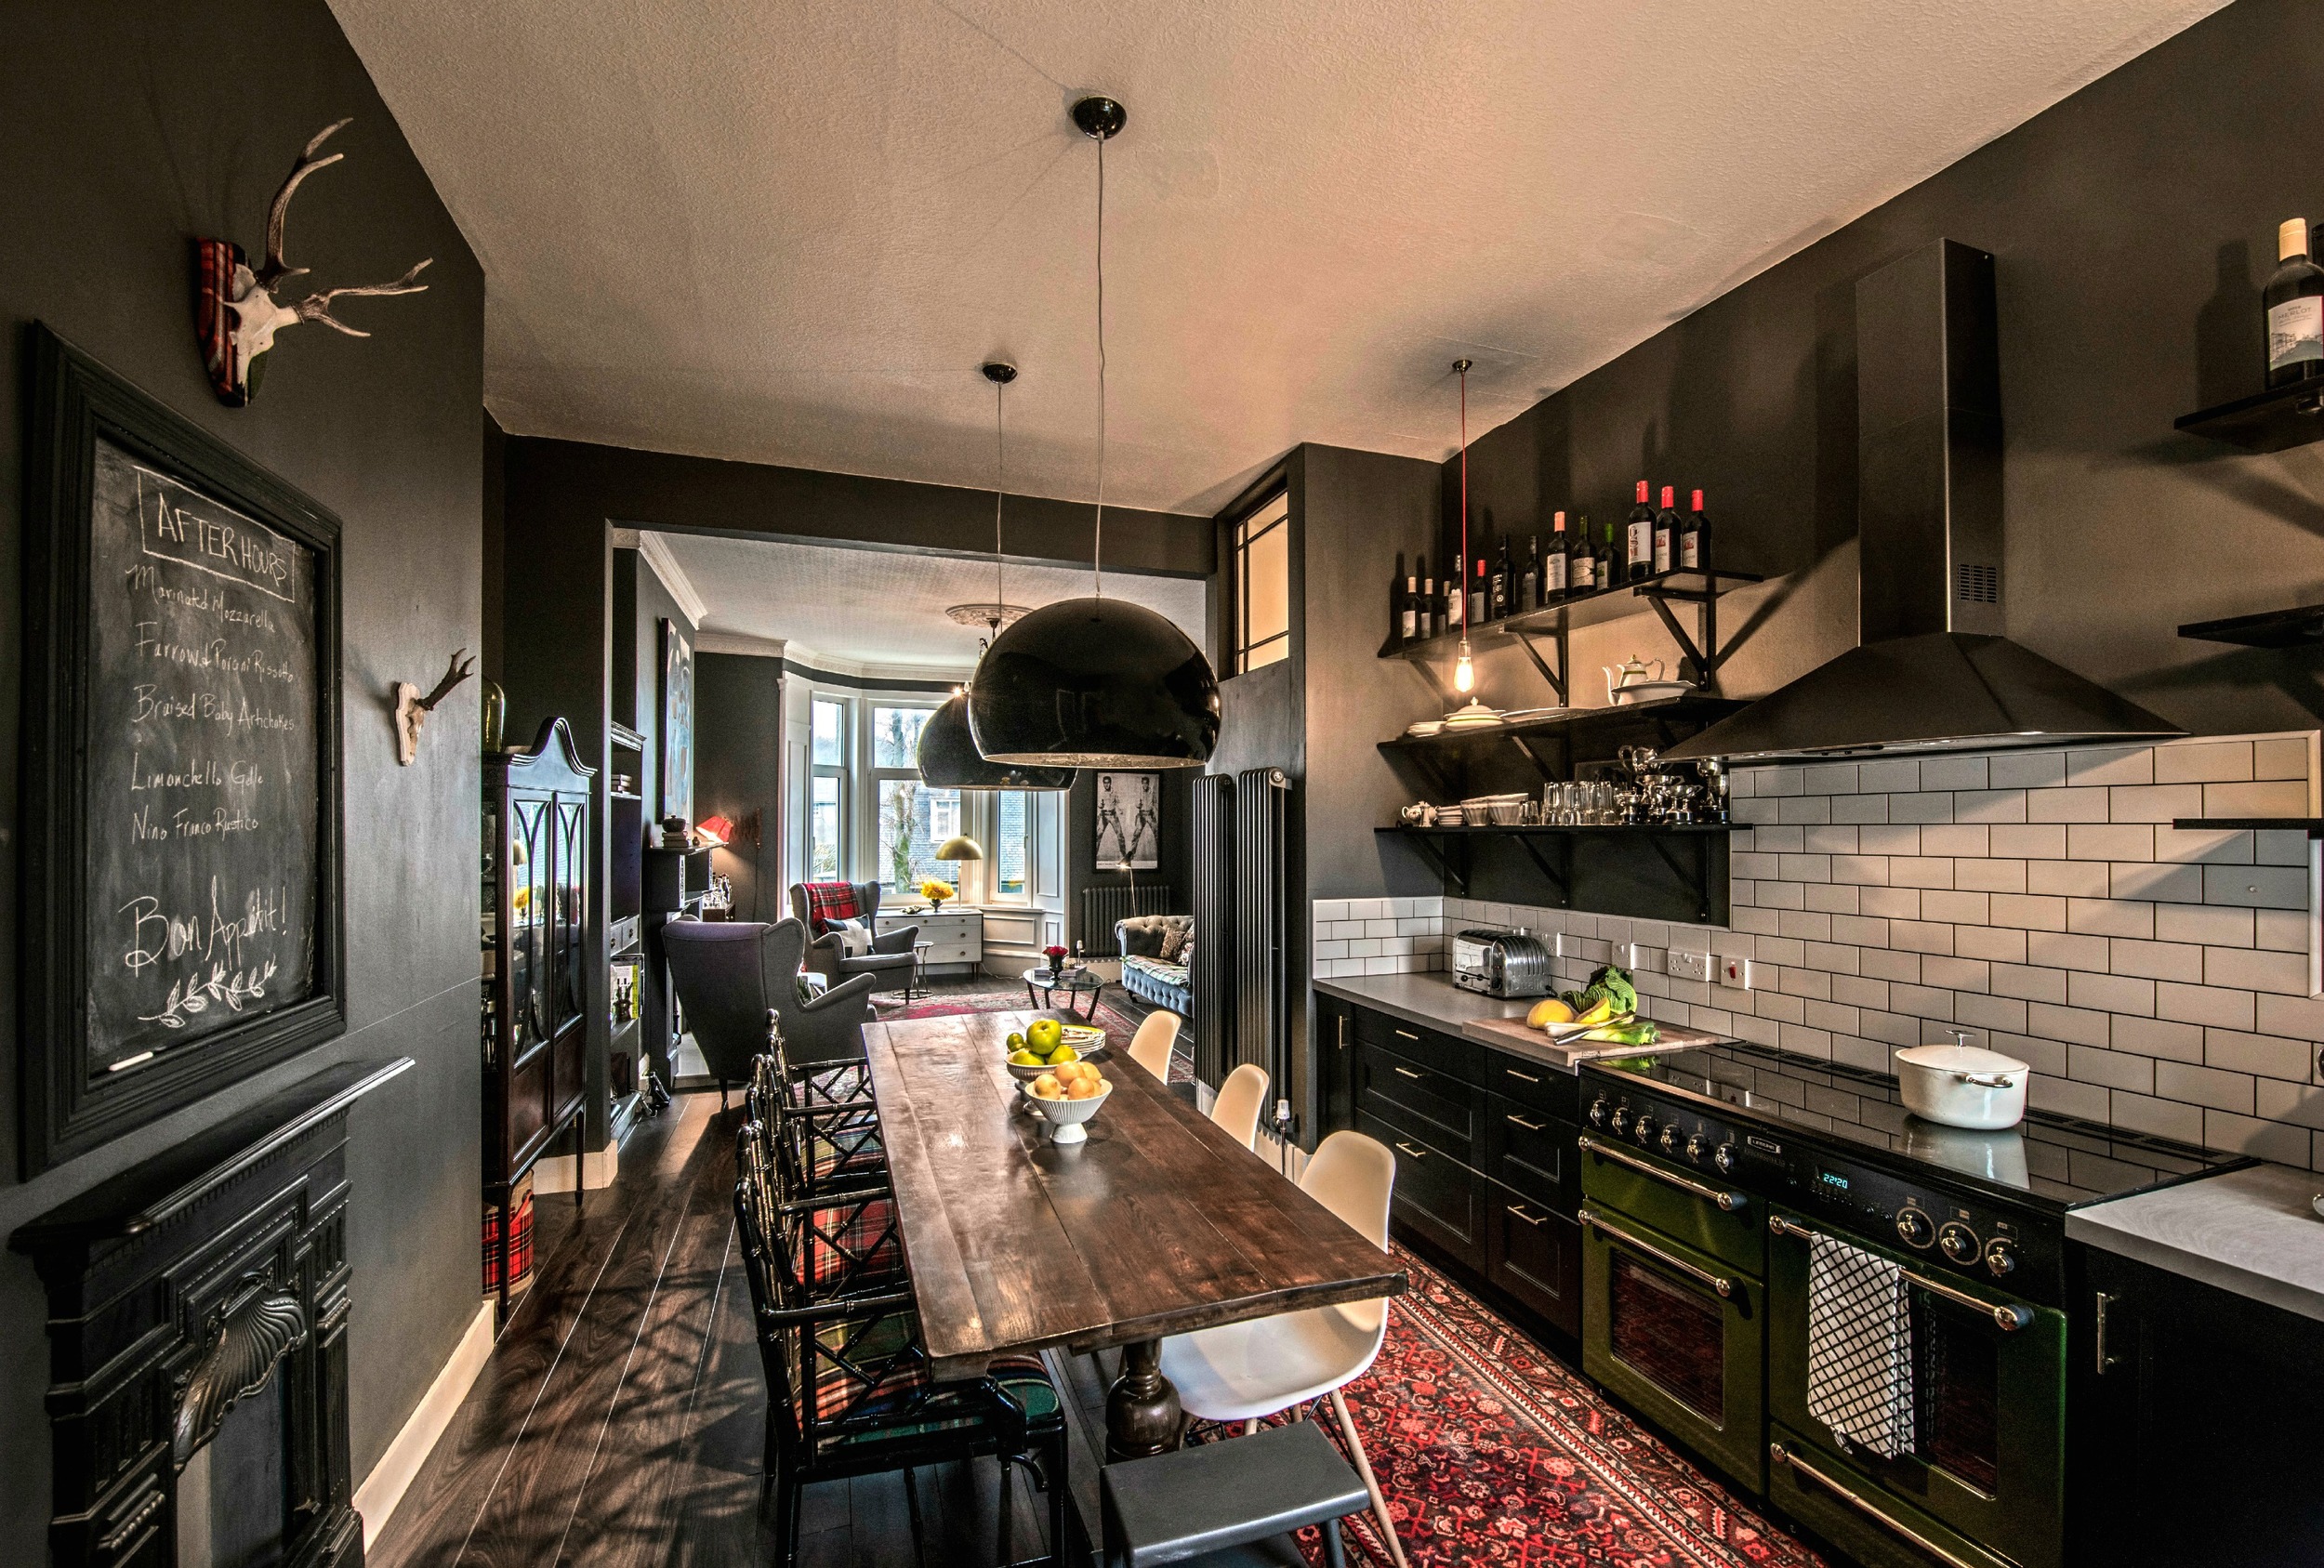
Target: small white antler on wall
[[238, 310], [412, 709]]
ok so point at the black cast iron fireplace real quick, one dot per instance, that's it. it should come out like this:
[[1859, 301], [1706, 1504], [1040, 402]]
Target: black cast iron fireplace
[[197, 1337]]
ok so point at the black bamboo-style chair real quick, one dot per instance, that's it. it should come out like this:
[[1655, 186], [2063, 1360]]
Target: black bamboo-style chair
[[848, 1390], [820, 1125]]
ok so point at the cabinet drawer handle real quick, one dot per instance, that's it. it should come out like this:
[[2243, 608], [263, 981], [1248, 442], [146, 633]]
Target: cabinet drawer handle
[[1729, 1202], [1416, 1154], [1725, 1287], [1521, 1077], [1529, 1127], [1535, 1220], [1407, 1072], [1407, 1034]]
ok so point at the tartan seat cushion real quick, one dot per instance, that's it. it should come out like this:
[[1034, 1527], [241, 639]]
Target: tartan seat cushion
[[857, 1244], [1174, 974], [850, 1155], [871, 1385]]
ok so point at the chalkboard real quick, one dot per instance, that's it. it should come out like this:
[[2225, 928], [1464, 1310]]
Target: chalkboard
[[181, 871]]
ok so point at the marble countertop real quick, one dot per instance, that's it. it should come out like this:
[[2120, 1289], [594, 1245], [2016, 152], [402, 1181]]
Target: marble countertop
[[2250, 1231], [1433, 1001]]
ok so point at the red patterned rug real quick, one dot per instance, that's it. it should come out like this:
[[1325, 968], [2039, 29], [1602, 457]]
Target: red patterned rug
[[1490, 1450]]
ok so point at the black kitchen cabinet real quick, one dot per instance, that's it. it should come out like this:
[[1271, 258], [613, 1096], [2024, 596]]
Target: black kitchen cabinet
[[1422, 1099], [1436, 1195], [1335, 1106], [2198, 1425], [1534, 1253]]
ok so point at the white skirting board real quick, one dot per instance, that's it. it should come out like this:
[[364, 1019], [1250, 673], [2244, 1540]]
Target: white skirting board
[[384, 1487], [554, 1173]]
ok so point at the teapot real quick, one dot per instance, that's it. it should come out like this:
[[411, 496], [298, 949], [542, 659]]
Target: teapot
[[1633, 671]]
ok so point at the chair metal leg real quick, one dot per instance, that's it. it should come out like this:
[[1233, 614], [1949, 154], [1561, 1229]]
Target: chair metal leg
[[786, 1501], [1364, 1467], [1004, 1555], [1060, 1529], [1335, 1555]]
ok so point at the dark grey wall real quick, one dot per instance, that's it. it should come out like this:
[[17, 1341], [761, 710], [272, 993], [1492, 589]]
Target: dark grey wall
[[132, 128], [1081, 845], [2133, 224], [653, 605], [738, 769], [662, 490]]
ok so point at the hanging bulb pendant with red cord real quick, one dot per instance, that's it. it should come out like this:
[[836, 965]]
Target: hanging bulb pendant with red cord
[[1464, 672]]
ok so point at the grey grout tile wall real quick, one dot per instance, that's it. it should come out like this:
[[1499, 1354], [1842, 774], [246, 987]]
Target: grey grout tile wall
[[2155, 978]]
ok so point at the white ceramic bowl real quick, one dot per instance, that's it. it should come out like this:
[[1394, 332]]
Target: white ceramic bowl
[[1651, 692], [1963, 1085], [1066, 1116]]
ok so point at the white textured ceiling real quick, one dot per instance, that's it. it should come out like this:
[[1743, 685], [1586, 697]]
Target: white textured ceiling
[[788, 231], [885, 607]]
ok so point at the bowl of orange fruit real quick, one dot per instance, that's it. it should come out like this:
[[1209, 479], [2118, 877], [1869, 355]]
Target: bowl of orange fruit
[[1066, 1096]]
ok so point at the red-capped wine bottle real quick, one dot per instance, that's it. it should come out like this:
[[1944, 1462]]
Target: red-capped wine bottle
[[1639, 558], [1479, 590], [1667, 527], [1408, 605], [1695, 538], [2294, 297]]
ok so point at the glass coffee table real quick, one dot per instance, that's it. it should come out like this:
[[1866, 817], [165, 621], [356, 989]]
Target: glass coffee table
[[1073, 982]]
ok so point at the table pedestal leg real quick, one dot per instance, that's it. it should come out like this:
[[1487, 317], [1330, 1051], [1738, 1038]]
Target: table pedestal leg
[[1141, 1414]]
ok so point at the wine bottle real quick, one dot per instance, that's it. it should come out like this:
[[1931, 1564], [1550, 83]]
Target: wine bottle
[[2294, 297], [1555, 579], [1456, 594], [1610, 573], [1581, 565], [1503, 584], [1429, 625], [1695, 538], [1480, 591], [1639, 554], [1409, 609], [1397, 630], [1666, 526], [1529, 580]]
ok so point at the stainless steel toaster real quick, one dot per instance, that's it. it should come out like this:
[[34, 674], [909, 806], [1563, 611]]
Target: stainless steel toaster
[[1501, 964]]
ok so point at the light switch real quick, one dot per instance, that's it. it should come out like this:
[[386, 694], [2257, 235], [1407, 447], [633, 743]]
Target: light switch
[[1739, 974]]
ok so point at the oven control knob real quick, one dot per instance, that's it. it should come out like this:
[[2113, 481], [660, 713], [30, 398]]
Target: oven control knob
[[1621, 1120], [1697, 1146], [1644, 1129], [1670, 1138], [2000, 1256], [1597, 1112], [1957, 1242], [1914, 1227], [1724, 1159]]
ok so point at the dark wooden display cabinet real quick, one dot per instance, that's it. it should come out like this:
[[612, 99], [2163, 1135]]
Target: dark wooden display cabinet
[[538, 867]]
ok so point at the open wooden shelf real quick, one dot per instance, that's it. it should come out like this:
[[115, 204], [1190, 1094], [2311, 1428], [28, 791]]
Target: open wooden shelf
[[1627, 830], [1575, 722], [2299, 627], [1616, 604], [1697, 870], [2312, 827], [2275, 420]]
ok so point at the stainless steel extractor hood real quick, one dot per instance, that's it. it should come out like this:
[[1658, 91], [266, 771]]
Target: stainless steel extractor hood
[[1934, 672]]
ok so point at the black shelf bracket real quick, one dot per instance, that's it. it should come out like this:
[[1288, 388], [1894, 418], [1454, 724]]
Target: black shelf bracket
[[1555, 678], [1705, 655], [1452, 864], [1698, 875], [1560, 877]]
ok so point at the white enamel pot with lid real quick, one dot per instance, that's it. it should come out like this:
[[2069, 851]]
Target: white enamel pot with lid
[[1963, 1085]]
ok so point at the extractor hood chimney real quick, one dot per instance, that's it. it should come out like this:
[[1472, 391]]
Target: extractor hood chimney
[[1934, 672]]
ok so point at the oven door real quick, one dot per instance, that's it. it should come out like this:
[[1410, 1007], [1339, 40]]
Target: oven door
[[1680, 1334], [1989, 1397]]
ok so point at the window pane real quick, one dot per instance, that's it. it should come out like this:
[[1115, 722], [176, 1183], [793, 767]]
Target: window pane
[[1012, 854], [909, 813], [1274, 653], [830, 734], [896, 736], [1267, 593], [823, 832]]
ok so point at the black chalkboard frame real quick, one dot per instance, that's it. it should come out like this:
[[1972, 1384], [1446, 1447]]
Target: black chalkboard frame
[[65, 1109]]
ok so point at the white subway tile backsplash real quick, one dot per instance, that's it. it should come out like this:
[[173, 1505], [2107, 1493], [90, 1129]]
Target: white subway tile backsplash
[[1859, 807], [2110, 841], [2028, 912], [1953, 772], [2209, 1005], [2203, 762], [2062, 950], [1895, 777], [1989, 941], [2071, 804], [2249, 969], [2165, 1118], [2116, 1070], [1889, 904], [1882, 963], [2277, 798], [2028, 983], [2087, 879], [2267, 1056], [2111, 764], [2031, 841], [2110, 917], [1989, 806], [2283, 759], [2157, 960], [2257, 886], [2112, 994], [2164, 884]]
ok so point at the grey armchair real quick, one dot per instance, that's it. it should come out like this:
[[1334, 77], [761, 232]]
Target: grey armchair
[[736, 977], [891, 956]]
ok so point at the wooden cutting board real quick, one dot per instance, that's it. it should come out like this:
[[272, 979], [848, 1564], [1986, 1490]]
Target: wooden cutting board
[[1514, 1034]]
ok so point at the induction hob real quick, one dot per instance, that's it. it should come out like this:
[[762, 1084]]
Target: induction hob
[[2048, 1162]]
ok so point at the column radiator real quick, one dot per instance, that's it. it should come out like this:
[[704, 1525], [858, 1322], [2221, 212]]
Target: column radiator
[[1261, 875], [1213, 977], [1100, 907]]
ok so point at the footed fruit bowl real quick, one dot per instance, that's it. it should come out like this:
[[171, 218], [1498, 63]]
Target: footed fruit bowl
[[1052, 1099]]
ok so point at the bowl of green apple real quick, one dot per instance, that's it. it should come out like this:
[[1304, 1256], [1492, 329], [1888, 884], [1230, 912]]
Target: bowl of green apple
[[1046, 1044]]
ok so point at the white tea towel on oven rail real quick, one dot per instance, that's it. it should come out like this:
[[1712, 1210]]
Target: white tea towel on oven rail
[[1859, 1346]]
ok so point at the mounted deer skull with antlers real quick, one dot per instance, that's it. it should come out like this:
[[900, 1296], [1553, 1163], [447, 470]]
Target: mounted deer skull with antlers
[[412, 709], [238, 312]]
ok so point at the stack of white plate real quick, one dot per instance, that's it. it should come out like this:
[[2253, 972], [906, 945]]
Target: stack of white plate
[[1476, 716]]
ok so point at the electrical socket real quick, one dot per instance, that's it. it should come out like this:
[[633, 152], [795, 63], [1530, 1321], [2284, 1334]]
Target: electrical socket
[[1689, 965], [1739, 974]]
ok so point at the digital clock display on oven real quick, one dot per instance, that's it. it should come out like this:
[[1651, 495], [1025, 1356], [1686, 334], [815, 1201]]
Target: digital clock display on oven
[[1831, 1181]]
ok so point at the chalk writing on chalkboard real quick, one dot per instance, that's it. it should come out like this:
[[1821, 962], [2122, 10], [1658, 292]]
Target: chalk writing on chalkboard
[[202, 776]]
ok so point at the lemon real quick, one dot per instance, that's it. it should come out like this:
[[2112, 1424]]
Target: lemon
[[1547, 1011]]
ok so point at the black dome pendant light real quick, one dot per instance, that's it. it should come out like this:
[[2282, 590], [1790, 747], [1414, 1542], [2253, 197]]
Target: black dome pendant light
[[1095, 682], [948, 758]]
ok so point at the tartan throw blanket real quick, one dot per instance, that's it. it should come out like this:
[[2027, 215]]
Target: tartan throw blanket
[[1174, 973], [829, 901], [1859, 1347]]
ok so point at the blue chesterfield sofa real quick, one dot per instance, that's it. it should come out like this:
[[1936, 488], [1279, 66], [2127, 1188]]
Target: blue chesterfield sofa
[[1145, 975]]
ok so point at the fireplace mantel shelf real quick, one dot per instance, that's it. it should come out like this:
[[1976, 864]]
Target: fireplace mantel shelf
[[148, 1193]]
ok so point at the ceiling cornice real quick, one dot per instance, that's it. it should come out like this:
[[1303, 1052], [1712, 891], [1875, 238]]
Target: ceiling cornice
[[656, 551]]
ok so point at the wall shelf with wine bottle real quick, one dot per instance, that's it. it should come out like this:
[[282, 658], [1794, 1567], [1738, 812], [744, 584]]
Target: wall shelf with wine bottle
[[1693, 854], [2291, 412], [2276, 420], [2302, 626]]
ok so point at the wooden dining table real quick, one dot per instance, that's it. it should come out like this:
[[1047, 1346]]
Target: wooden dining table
[[1159, 1224]]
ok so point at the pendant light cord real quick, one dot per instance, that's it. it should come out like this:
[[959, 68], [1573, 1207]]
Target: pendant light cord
[[1463, 590], [1000, 481], [1097, 551]]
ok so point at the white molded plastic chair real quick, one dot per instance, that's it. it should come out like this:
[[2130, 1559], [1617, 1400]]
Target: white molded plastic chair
[[1242, 1371], [1240, 1099], [1149, 1047]]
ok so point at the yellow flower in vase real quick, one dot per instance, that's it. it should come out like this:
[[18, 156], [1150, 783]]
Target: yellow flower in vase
[[935, 892]]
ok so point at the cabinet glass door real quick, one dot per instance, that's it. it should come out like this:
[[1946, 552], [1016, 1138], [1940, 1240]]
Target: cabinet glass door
[[570, 905], [529, 898]]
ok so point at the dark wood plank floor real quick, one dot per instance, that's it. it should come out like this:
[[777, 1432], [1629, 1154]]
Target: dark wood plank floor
[[620, 1421]]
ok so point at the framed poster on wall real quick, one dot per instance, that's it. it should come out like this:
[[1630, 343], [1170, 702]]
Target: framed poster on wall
[[180, 864], [677, 726], [1129, 820]]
